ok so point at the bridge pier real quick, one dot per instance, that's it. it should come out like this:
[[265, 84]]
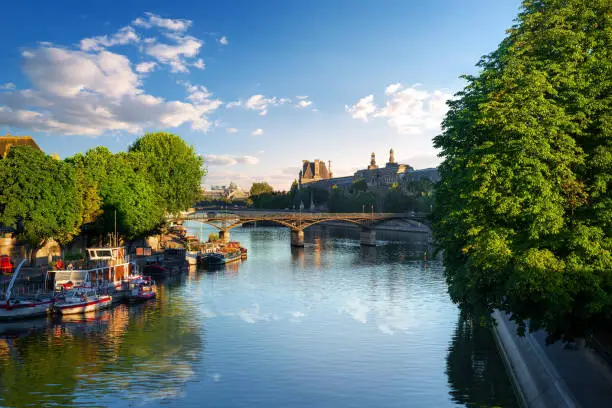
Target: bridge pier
[[224, 236], [297, 238], [367, 236]]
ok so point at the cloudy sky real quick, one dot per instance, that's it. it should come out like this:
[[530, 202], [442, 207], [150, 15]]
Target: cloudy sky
[[255, 86]]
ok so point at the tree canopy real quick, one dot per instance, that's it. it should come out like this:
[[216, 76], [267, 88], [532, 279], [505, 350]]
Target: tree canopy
[[38, 196], [524, 206], [172, 167], [260, 188]]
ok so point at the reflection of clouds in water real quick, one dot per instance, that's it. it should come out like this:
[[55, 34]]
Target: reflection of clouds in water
[[389, 317], [296, 317], [216, 377], [356, 309], [254, 315], [208, 313]]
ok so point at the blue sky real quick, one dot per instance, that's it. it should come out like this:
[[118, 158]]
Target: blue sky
[[255, 86]]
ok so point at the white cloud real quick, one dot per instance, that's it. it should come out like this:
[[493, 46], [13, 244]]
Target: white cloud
[[362, 109], [7, 86], [69, 73], [257, 132], [408, 111], [234, 104], [223, 40], [199, 64], [228, 160], [303, 104], [79, 93], [260, 103], [145, 67], [176, 55], [231, 130], [153, 20], [302, 97], [393, 88], [125, 35]]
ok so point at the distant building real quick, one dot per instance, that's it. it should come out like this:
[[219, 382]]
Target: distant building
[[8, 141], [382, 177], [316, 175], [314, 171], [231, 192]]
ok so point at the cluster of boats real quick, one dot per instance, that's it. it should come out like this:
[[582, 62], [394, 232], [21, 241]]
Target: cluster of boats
[[217, 254], [110, 279]]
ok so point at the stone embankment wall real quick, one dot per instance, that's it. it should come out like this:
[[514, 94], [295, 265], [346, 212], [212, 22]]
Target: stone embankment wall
[[559, 375]]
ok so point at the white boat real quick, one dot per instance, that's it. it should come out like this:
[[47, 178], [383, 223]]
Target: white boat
[[192, 257], [24, 307], [82, 299], [106, 268]]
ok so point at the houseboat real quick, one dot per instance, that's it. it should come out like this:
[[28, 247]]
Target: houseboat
[[104, 268], [224, 257]]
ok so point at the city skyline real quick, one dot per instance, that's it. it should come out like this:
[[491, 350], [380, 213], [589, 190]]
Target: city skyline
[[256, 88]]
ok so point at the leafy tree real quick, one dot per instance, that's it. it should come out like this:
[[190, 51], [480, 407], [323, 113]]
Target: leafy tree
[[524, 206], [130, 196], [38, 195], [172, 167], [260, 188]]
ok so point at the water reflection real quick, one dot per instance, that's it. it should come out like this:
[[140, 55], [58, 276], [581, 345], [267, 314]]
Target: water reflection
[[329, 325], [475, 373], [91, 359]]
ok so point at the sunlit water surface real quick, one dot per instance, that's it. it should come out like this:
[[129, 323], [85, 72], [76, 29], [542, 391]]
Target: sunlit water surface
[[330, 325]]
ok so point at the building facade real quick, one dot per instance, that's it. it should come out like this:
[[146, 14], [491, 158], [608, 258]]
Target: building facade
[[314, 171], [316, 175], [231, 192]]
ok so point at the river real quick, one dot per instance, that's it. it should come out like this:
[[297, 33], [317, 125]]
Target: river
[[330, 325]]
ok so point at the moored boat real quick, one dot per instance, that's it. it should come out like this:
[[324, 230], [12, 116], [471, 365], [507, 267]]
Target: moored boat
[[192, 257], [24, 307], [82, 300], [224, 257]]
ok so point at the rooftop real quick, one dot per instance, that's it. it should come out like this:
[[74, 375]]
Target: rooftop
[[8, 141]]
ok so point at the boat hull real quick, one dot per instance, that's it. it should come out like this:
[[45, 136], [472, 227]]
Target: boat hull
[[142, 297], [84, 307], [25, 310]]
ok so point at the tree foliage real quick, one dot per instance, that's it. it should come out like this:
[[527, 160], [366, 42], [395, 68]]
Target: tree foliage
[[524, 207], [38, 196], [172, 167], [260, 188]]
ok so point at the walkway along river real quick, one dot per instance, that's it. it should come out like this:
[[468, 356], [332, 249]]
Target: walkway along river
[[329, 325]]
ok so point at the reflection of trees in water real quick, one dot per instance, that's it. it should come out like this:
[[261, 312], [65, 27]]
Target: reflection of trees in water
[[149, 350], [476, 373]]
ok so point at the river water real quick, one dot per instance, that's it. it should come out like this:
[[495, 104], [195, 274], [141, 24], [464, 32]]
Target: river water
[[329, 325]]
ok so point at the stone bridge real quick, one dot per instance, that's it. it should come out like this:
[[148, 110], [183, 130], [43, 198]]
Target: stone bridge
[[296, 221]]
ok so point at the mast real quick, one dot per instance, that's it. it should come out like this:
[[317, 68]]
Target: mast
[[7, 296]]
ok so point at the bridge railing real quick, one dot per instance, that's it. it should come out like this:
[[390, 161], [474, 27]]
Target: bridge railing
[[294, 215]]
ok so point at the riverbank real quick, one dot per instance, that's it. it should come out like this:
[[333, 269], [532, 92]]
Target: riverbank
[[556, 375]]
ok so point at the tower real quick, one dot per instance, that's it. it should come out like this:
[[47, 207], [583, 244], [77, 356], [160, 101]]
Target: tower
[[372, 165], [391, 157], [329, 169]]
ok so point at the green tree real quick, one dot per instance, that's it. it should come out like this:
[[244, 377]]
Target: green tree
[[38, 196], [524, 206], [130, 196], [260, 188], [172, 167]]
